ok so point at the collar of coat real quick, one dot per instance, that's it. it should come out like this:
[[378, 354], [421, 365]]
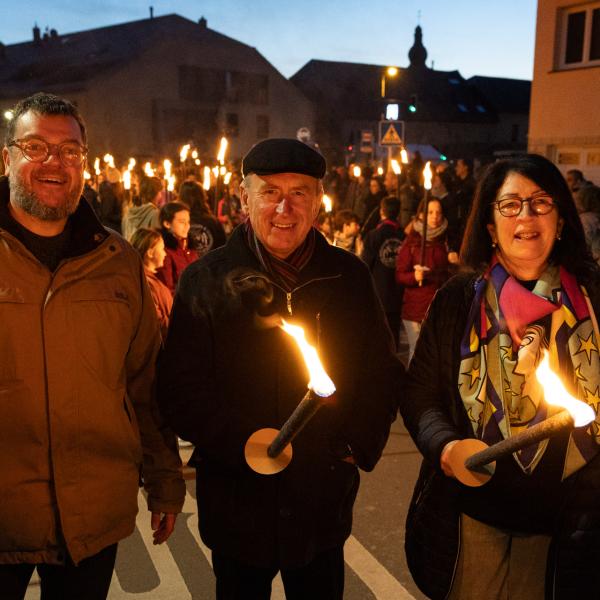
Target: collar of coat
[[87, 231]]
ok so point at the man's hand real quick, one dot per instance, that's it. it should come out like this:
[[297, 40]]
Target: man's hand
[[162, 528]]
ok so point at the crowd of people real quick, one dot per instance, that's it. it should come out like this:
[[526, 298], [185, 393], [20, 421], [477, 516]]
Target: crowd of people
[[125, 324]]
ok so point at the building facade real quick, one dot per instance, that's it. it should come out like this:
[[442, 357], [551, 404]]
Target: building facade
[[147, 87], [565, 96]]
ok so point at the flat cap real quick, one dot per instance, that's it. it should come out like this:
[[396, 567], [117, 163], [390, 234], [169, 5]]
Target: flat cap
[[283, 155]]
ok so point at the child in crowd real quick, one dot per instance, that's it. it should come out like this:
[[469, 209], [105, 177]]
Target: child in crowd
[[175, 221], [150, 246]]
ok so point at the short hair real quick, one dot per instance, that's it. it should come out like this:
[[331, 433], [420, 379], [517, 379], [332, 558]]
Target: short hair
[[576, 173], [143, 239], [587, 199], [44, 104], [344, 217], [390, 207], [149, 187], [169, 210], [570, 251]]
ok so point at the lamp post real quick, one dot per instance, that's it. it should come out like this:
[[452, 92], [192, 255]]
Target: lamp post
[[390, 72]]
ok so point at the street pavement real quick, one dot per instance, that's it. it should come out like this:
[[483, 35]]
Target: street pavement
[[375, 564]]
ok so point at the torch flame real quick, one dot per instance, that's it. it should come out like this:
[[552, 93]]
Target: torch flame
[[396, 167], [427, 176], [380, 171], [319, 382], [183, 153], [404, 156], [356, 171], [556, 394], [222, 150], [127, 179], [206, 180], [195, 154], [86, 175], [148, 170], [167, 167], [97, 166], [131, 164], [327, 204], [109, 160], [227, 177]]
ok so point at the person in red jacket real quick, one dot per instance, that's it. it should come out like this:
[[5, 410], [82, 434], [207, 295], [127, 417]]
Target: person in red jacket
[[421, 281], [175, 221], [151, 247]]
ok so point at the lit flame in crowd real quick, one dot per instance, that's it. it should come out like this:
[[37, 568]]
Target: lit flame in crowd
[[206, 180], [222, 150], [404, 156], [131, 164], [556, 394], [183, 153], [148, 170], [327, 204], [97, 166], [127, 179], [227, 178], [109, 160], [396, 167], [319, 382], [427, 176], [356, 171]]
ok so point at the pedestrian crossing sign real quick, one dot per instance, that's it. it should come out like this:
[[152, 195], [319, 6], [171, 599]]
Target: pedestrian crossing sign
[[391, 133]]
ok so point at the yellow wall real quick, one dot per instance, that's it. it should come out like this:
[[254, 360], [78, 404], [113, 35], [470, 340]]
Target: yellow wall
[[564, 120]]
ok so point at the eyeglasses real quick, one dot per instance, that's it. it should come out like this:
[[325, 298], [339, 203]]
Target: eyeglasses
[[71, 154], [512, 206]]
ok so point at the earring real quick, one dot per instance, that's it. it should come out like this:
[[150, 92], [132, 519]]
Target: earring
[[558, 235], [494, 244]]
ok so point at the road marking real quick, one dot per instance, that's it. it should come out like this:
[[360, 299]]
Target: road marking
[[372, 573], [172, 584]]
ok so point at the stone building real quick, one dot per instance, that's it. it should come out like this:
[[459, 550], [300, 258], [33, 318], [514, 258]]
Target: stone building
[[147, 87]]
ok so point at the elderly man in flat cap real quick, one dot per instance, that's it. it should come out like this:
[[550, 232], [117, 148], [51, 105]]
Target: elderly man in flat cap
[[225, 374]]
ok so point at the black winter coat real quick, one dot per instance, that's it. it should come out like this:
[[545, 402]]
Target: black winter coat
[[222, 376], [434, 415]]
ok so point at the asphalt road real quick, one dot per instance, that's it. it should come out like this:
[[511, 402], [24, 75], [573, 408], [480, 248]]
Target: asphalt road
[[375, 563]]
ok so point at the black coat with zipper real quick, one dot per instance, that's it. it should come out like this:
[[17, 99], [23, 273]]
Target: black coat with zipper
[[225, 374], [434, 415]]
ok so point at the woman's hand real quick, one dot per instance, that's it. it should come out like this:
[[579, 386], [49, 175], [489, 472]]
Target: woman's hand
[[444, 459]]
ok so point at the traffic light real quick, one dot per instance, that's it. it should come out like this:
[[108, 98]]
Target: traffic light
[[412, 104]]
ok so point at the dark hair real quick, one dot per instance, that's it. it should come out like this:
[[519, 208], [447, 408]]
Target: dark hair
[[44, 104], [149, 187], [169, 210], [345, 216], [421, 205], [587, 199], [193, 196], [143, 239], [576, 173], [570, 251], [390, 207]]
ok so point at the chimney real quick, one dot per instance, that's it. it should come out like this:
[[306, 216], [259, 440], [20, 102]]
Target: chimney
[[36, 35], [152, 12], [202, 22], [53, 33]]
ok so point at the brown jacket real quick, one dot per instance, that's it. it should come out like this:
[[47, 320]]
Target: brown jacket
[[78, 348]]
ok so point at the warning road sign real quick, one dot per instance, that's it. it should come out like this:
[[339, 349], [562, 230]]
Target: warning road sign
[[391, 133]]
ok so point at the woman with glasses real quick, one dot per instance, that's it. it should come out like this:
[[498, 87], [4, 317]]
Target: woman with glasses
[[529, 287]]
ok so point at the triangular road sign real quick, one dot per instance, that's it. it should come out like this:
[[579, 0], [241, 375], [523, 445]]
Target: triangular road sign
[[391, 136]]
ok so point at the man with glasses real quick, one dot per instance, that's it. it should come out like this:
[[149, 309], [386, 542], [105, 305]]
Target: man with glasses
[[78, 332]]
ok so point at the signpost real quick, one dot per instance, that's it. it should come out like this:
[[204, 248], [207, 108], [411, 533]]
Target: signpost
[[391, 133]]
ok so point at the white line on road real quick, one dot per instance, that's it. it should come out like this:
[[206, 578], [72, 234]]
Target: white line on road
[[373, 574]]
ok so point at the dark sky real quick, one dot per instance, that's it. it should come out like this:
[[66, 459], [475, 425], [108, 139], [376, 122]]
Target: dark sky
[[476, 37]]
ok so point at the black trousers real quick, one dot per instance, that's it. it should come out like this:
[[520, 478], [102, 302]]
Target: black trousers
[[321, 579], [89, 580]]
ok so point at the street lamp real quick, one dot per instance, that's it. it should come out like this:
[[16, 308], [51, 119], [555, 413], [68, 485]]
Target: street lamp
[[390, 72]]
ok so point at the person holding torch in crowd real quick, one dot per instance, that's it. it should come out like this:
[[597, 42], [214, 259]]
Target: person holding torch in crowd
[[228, 370], [533, 531]]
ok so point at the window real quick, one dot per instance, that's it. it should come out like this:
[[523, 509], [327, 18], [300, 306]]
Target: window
[[199, 84], [262, 126], [580, 41]]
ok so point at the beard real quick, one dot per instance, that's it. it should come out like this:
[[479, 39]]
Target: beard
[[27, 201]]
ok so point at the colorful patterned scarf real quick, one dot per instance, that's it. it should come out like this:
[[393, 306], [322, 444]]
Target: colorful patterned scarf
[[507, 330], [286, 272]]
